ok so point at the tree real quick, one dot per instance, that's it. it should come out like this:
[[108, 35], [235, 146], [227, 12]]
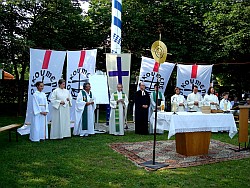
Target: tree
[[14, 50], [43, 24], [195, 31], [202, 32], [57, 25], [179, 22], [227, 30]]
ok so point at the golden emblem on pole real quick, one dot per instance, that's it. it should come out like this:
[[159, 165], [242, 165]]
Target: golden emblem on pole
[[159, 51]]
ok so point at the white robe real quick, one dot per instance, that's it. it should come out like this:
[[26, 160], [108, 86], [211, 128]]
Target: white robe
[[39, 121], [79, 108], [60, 124], [122, 114], [178, 99], [151, 111], [211, 98], [227, 103], [192, 97]]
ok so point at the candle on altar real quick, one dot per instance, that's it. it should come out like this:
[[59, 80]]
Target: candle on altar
[[162, 106]]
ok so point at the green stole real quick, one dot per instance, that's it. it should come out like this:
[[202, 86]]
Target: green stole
[[159, 99], [85, 112], [117, 125]]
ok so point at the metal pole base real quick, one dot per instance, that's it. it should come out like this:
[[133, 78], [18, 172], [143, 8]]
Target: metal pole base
[[241, 149], [155, 166]]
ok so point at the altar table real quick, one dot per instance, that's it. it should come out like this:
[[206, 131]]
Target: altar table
[[193, 129]]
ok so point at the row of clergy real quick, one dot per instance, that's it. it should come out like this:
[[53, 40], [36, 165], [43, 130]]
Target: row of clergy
[[85, 106], [145, 104], [195, 101]]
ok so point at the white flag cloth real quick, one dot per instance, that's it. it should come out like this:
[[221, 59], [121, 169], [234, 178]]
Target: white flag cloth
[[148, 76], [80, 65], [118, 71], [99, 87], [45, 66], [189, 75]]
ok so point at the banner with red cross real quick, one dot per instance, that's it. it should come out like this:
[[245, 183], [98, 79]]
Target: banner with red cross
[[45, 66], [189, 75]]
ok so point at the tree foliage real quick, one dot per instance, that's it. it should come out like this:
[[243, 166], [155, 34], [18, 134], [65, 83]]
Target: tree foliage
[[228, 35], [195, 31], [227, 27]]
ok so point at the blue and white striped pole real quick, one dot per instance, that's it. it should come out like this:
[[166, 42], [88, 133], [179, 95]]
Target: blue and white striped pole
[[116, 37], [116, 25]]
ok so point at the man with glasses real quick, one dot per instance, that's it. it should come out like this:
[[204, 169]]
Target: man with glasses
[[85, 112], [118, 104]]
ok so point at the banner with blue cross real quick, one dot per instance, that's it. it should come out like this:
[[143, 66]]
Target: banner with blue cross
[[118, 71]]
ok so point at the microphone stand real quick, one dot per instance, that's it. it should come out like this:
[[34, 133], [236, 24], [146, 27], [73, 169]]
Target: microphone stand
[[153, 164]]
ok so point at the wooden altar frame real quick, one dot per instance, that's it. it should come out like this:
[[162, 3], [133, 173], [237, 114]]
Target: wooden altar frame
[[243, 125], [192, 143]]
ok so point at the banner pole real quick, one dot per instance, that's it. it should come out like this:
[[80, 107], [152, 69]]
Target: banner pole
[[156, 109]]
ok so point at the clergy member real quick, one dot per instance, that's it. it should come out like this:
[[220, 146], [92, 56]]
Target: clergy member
[[225, 104], [152, 107], [142, 102], [39, 125], [194, 100], [178, 100], [211, 99], [85, 112], [118, 104], [61, 103]]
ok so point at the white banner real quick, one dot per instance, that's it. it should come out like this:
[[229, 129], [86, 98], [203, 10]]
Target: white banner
[[149, 77], [116, 26], [80, 65], [189, 75], [118, 71], [99, 87], [45, 66]]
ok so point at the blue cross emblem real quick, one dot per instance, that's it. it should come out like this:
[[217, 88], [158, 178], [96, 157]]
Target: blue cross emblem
[[119, 71]]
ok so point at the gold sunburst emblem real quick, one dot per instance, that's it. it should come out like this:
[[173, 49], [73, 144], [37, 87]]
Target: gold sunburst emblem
[[159, 51]]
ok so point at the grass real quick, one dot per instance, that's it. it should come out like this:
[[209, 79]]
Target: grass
[[90, 162]]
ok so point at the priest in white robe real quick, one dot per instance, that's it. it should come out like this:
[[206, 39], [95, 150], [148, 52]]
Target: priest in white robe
[[152, 107], [61, 103], [39, 124], [194, 100], [85, 112], [178, 102], [210, 99], [225, 104], [118, 104]]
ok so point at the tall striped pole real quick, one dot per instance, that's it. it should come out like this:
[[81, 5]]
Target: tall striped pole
[[116, 37], [116, 26]]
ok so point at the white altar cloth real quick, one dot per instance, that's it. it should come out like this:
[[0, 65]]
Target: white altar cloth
[[194, 122]]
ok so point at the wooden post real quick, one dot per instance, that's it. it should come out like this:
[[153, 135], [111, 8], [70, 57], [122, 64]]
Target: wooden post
[[243, 124]]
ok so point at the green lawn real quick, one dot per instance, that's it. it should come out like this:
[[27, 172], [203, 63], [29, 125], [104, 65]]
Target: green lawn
[[90, 162]]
